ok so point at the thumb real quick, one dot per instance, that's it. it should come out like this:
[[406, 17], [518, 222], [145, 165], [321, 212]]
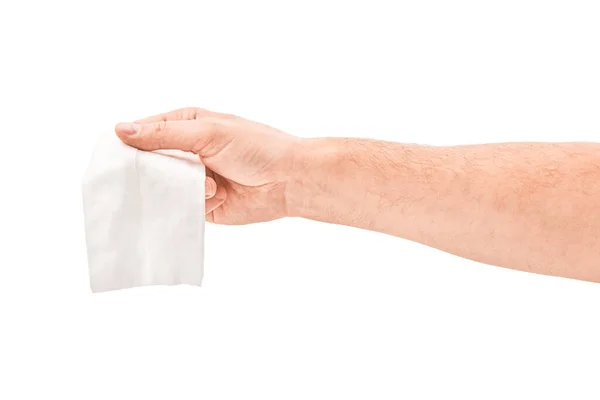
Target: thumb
[[191, 136]]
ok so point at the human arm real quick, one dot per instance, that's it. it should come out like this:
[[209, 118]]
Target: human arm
[[527, 206]]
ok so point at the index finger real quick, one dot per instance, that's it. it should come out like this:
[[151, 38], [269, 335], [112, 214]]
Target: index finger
[[182, 114]]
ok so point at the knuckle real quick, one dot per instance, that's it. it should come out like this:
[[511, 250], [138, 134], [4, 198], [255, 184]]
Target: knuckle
[[189, 113], [161, 127], [214, 125], [155, 133]]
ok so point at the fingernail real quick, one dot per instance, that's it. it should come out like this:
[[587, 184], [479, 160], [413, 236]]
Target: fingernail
[[208, 189], [127, 128]]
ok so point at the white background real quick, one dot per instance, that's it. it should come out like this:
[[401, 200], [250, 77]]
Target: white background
[[291, 309]]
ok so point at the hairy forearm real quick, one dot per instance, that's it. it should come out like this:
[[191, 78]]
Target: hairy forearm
[[528, 206]]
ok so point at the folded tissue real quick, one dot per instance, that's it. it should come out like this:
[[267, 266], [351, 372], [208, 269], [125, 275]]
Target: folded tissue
[[144, 216]]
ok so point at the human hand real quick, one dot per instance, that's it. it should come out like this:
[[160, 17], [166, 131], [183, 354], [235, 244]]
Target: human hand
[[248, 164]]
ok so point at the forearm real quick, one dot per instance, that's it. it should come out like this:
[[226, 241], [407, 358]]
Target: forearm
[[528, 206]]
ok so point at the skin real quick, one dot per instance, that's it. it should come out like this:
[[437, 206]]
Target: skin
[[526, 206]]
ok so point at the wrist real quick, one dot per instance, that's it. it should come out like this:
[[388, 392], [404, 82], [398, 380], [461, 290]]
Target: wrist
[[355, 182], [313, 176]]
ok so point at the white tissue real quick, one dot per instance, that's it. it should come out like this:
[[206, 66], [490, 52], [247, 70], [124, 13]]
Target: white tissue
[[144, 217]]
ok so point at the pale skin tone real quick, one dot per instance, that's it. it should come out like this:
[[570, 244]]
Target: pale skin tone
[[526, 206]]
